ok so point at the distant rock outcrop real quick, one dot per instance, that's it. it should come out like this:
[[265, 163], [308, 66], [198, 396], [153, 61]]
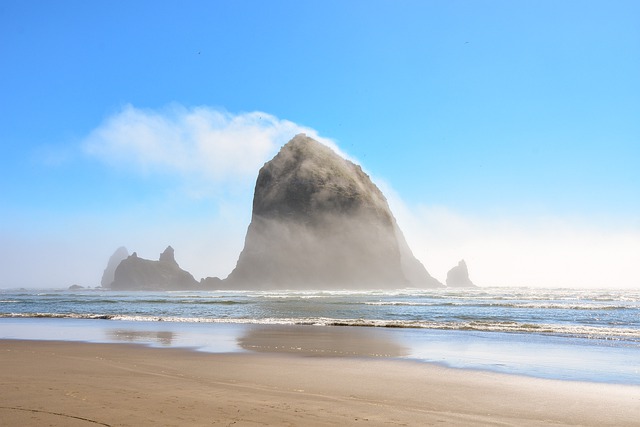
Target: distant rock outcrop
[[319, 222], [210, 283], [115, 259], [135, 273], [458, 276]]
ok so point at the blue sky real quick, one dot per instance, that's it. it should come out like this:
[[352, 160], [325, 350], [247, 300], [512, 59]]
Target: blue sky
[[503, 132]]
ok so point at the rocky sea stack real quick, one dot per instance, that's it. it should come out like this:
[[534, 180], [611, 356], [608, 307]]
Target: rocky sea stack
[[319, 222], [458, 276], [134, 273]]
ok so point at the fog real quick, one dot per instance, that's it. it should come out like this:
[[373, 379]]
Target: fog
[[499, 252], [524, 251], [329, 254]]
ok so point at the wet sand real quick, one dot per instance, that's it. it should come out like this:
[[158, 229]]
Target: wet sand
[[77, 384]]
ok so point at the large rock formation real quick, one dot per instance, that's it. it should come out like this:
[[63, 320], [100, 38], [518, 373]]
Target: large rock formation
[[135, 273], [115, 259], [319, 222], [458, 276]]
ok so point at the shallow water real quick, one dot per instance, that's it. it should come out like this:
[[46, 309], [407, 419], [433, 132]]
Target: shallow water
[[538, 356], [562, 334]]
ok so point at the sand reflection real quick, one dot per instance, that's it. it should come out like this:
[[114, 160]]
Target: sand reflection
[[321, 341], [164, 338]]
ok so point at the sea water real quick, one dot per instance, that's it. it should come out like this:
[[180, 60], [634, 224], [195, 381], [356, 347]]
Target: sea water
[[591, 335]]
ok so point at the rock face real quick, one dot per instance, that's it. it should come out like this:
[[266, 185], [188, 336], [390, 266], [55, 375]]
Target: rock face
[[135, 273], [458, 276], [319, 222], [115, 259]]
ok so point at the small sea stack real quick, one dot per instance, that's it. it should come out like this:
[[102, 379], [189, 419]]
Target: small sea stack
[[458, 276]]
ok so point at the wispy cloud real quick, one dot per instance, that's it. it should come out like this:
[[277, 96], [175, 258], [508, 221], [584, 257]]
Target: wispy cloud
[[199, 142]]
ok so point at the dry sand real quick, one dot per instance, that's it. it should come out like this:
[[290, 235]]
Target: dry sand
[[78, 384]]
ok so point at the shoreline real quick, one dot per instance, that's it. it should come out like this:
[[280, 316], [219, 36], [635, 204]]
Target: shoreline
[[72, 383], [537, 356]]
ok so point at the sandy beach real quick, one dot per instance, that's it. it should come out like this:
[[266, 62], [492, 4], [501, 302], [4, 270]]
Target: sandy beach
[[74, 384]]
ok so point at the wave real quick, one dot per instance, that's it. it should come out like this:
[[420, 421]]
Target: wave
[[215, 302], [539, 306], [407, 304], [560, 306], [582, 331], [81, 301], [55, 316]]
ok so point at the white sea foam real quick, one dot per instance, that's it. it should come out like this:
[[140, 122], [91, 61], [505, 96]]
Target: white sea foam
[[579, 331]]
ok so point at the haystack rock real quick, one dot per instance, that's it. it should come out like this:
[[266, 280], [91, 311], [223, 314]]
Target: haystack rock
[[319, 222], [134, 273], [458, 276], [115, 259]]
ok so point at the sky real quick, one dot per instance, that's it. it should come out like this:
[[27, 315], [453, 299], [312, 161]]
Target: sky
[[505, 133]]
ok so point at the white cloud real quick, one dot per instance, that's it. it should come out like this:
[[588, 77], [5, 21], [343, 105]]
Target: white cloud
[[197, 143]]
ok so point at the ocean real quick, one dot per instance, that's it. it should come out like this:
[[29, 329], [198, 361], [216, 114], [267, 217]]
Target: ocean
[[567, 334]]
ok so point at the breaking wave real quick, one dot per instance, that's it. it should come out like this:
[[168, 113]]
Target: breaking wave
[[542, 306], [582, 331]]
